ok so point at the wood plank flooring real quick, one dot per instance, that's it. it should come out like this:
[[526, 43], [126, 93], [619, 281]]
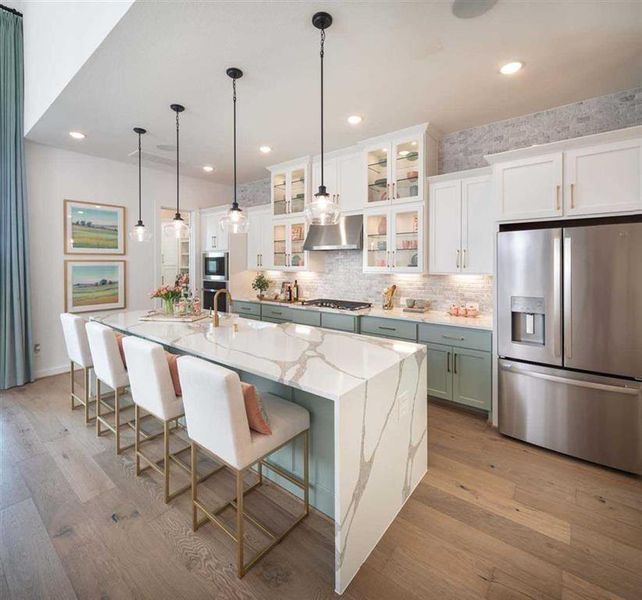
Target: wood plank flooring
[[493, 518]]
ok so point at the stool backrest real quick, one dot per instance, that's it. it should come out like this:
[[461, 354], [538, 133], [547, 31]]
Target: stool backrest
[[149, 377], [108, 364], [73, 329], [214, 409]]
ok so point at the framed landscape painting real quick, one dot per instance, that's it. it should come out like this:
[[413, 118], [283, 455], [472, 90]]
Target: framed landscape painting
[[94, 228], [94, 285]]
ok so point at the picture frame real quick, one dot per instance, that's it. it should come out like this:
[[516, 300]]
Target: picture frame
[[95, 285], [94, 228]]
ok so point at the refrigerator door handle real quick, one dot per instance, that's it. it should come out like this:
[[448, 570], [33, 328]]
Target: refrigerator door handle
[[557, 296], [568, 313], [618, 389]]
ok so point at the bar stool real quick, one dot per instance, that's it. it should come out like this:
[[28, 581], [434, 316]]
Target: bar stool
[[73, 329], [217, 423], [110, 370], [154, 391]]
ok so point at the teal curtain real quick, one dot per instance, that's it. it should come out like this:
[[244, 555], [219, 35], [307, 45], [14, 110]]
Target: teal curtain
[[16, 366]]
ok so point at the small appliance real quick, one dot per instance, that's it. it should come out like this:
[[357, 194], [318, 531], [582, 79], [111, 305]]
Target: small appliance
[[215, 266]]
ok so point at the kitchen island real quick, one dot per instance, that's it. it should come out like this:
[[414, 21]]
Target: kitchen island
[[367, 402]]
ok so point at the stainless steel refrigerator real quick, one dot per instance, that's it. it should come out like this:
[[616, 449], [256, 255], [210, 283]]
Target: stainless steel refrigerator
[[570, 340]]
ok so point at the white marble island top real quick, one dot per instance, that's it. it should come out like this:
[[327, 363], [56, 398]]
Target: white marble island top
[[320, 361]]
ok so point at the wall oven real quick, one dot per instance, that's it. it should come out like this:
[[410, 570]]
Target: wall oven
[[209, 290], [215, 266]]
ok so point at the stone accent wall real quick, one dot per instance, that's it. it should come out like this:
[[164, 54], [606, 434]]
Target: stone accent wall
[[466, 149], [461, 150]]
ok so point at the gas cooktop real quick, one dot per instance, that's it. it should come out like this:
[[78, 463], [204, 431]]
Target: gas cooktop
[[338, 304]]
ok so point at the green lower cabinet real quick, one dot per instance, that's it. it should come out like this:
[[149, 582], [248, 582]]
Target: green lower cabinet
[[306, 317], [472, 378], [460, 375]]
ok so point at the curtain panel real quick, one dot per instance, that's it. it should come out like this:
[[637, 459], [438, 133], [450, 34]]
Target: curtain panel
[[16, 363]]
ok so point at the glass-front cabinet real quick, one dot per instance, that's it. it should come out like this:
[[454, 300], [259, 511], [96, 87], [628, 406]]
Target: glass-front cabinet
[[288, 237], [290, 188], [394, 241], [396, 166]]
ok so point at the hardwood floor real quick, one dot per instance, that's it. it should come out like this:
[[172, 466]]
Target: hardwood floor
[[494, 519]]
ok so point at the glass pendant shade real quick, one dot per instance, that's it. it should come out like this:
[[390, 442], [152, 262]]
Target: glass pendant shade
[[323, 209], [177, 228], [234, 221], [140, 233]]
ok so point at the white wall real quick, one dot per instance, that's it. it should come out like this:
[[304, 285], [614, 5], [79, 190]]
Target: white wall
[[54, 175], [58, 39]]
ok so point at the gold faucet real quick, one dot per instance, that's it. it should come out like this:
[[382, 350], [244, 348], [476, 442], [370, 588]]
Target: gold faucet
[[215, 302]]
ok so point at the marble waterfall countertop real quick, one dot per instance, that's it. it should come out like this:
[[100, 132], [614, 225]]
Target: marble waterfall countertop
[[320, 361], [431, 316]]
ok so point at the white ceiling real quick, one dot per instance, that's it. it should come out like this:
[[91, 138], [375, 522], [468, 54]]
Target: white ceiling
[[395, 63]]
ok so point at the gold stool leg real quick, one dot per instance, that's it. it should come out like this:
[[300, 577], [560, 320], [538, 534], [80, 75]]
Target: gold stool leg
[[117, 417], [86, 373], [240, 568], [71, 375], [98, 403], [166, 458], [137, 437], [194, 487], [306, 464]]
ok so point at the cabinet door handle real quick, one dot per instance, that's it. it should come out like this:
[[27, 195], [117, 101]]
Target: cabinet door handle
[[464, 257], [557, 197], [572, 195], [387, 259], [395, 193], [394, 258], [448, 362], [455, 363], [458, 252]]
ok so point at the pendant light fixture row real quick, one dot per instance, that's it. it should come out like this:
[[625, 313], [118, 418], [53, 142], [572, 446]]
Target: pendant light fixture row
[[234, 221], [140, 233], [178, 228], [323, 209]]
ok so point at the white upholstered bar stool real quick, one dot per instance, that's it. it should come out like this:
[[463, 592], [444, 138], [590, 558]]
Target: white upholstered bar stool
[[217, 423], [110, 370], [73, 329], [153, 390]]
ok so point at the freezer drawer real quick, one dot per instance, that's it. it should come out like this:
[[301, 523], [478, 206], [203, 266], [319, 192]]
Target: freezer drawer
[[591, 417]]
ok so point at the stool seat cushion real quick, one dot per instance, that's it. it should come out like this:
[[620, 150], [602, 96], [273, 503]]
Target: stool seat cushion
[[173, 371], [257, 417], [286, 421], [73, 328]]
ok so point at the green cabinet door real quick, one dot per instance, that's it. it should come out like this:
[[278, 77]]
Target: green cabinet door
[[440, 377], [471, 378]]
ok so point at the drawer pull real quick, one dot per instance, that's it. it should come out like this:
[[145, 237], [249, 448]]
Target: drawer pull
[[276, 312], [245, 308], [452, 337], [387, 328]]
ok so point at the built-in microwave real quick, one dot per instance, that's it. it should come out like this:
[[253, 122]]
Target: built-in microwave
[[215, 266]]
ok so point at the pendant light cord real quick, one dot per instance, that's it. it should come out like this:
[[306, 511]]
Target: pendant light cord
[[235, 204], [178, 214], [139, 178], [321, 54]]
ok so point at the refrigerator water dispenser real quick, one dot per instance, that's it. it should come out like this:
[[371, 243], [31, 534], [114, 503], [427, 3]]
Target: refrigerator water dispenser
[[527, 320]]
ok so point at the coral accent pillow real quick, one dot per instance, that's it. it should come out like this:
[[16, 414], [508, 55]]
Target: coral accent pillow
[[173, 371], [256, 416], [119, 341]]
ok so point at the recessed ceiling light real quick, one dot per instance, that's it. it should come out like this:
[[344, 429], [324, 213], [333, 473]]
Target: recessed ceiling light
[[355, 119], [511, 68], [77, 135], [208, 168], [265, 149]]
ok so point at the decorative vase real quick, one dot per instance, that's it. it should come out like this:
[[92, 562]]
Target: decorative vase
[[168, 306], [260, 296]]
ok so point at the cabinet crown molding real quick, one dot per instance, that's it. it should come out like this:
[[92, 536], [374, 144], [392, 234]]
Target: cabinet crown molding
[[478, 172], [594, 139]]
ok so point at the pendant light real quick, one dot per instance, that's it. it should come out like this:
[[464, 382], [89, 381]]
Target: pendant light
[[139, 233], [323, 209], [178, 228], [234, 221]]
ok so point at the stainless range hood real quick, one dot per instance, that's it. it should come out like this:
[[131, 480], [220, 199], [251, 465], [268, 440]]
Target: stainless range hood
[[347, 234]]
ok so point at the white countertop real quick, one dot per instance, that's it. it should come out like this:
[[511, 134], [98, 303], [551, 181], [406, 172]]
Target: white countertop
[[432, 316], [320, 361]]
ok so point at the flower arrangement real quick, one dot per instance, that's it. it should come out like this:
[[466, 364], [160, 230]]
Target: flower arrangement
[[170, 293], [261, 284]]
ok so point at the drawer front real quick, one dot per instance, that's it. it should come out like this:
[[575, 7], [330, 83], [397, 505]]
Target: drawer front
[[340, 322], [405, 330], [306, 317], [246, 308], [271, 320], [282, 313], [460, 337]]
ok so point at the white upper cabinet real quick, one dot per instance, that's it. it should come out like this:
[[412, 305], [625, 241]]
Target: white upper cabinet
[[290, 187], [461, 228], [529, 188], [604, 178], [589, 176], [342, 178], [212, 236], [259, 239]]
